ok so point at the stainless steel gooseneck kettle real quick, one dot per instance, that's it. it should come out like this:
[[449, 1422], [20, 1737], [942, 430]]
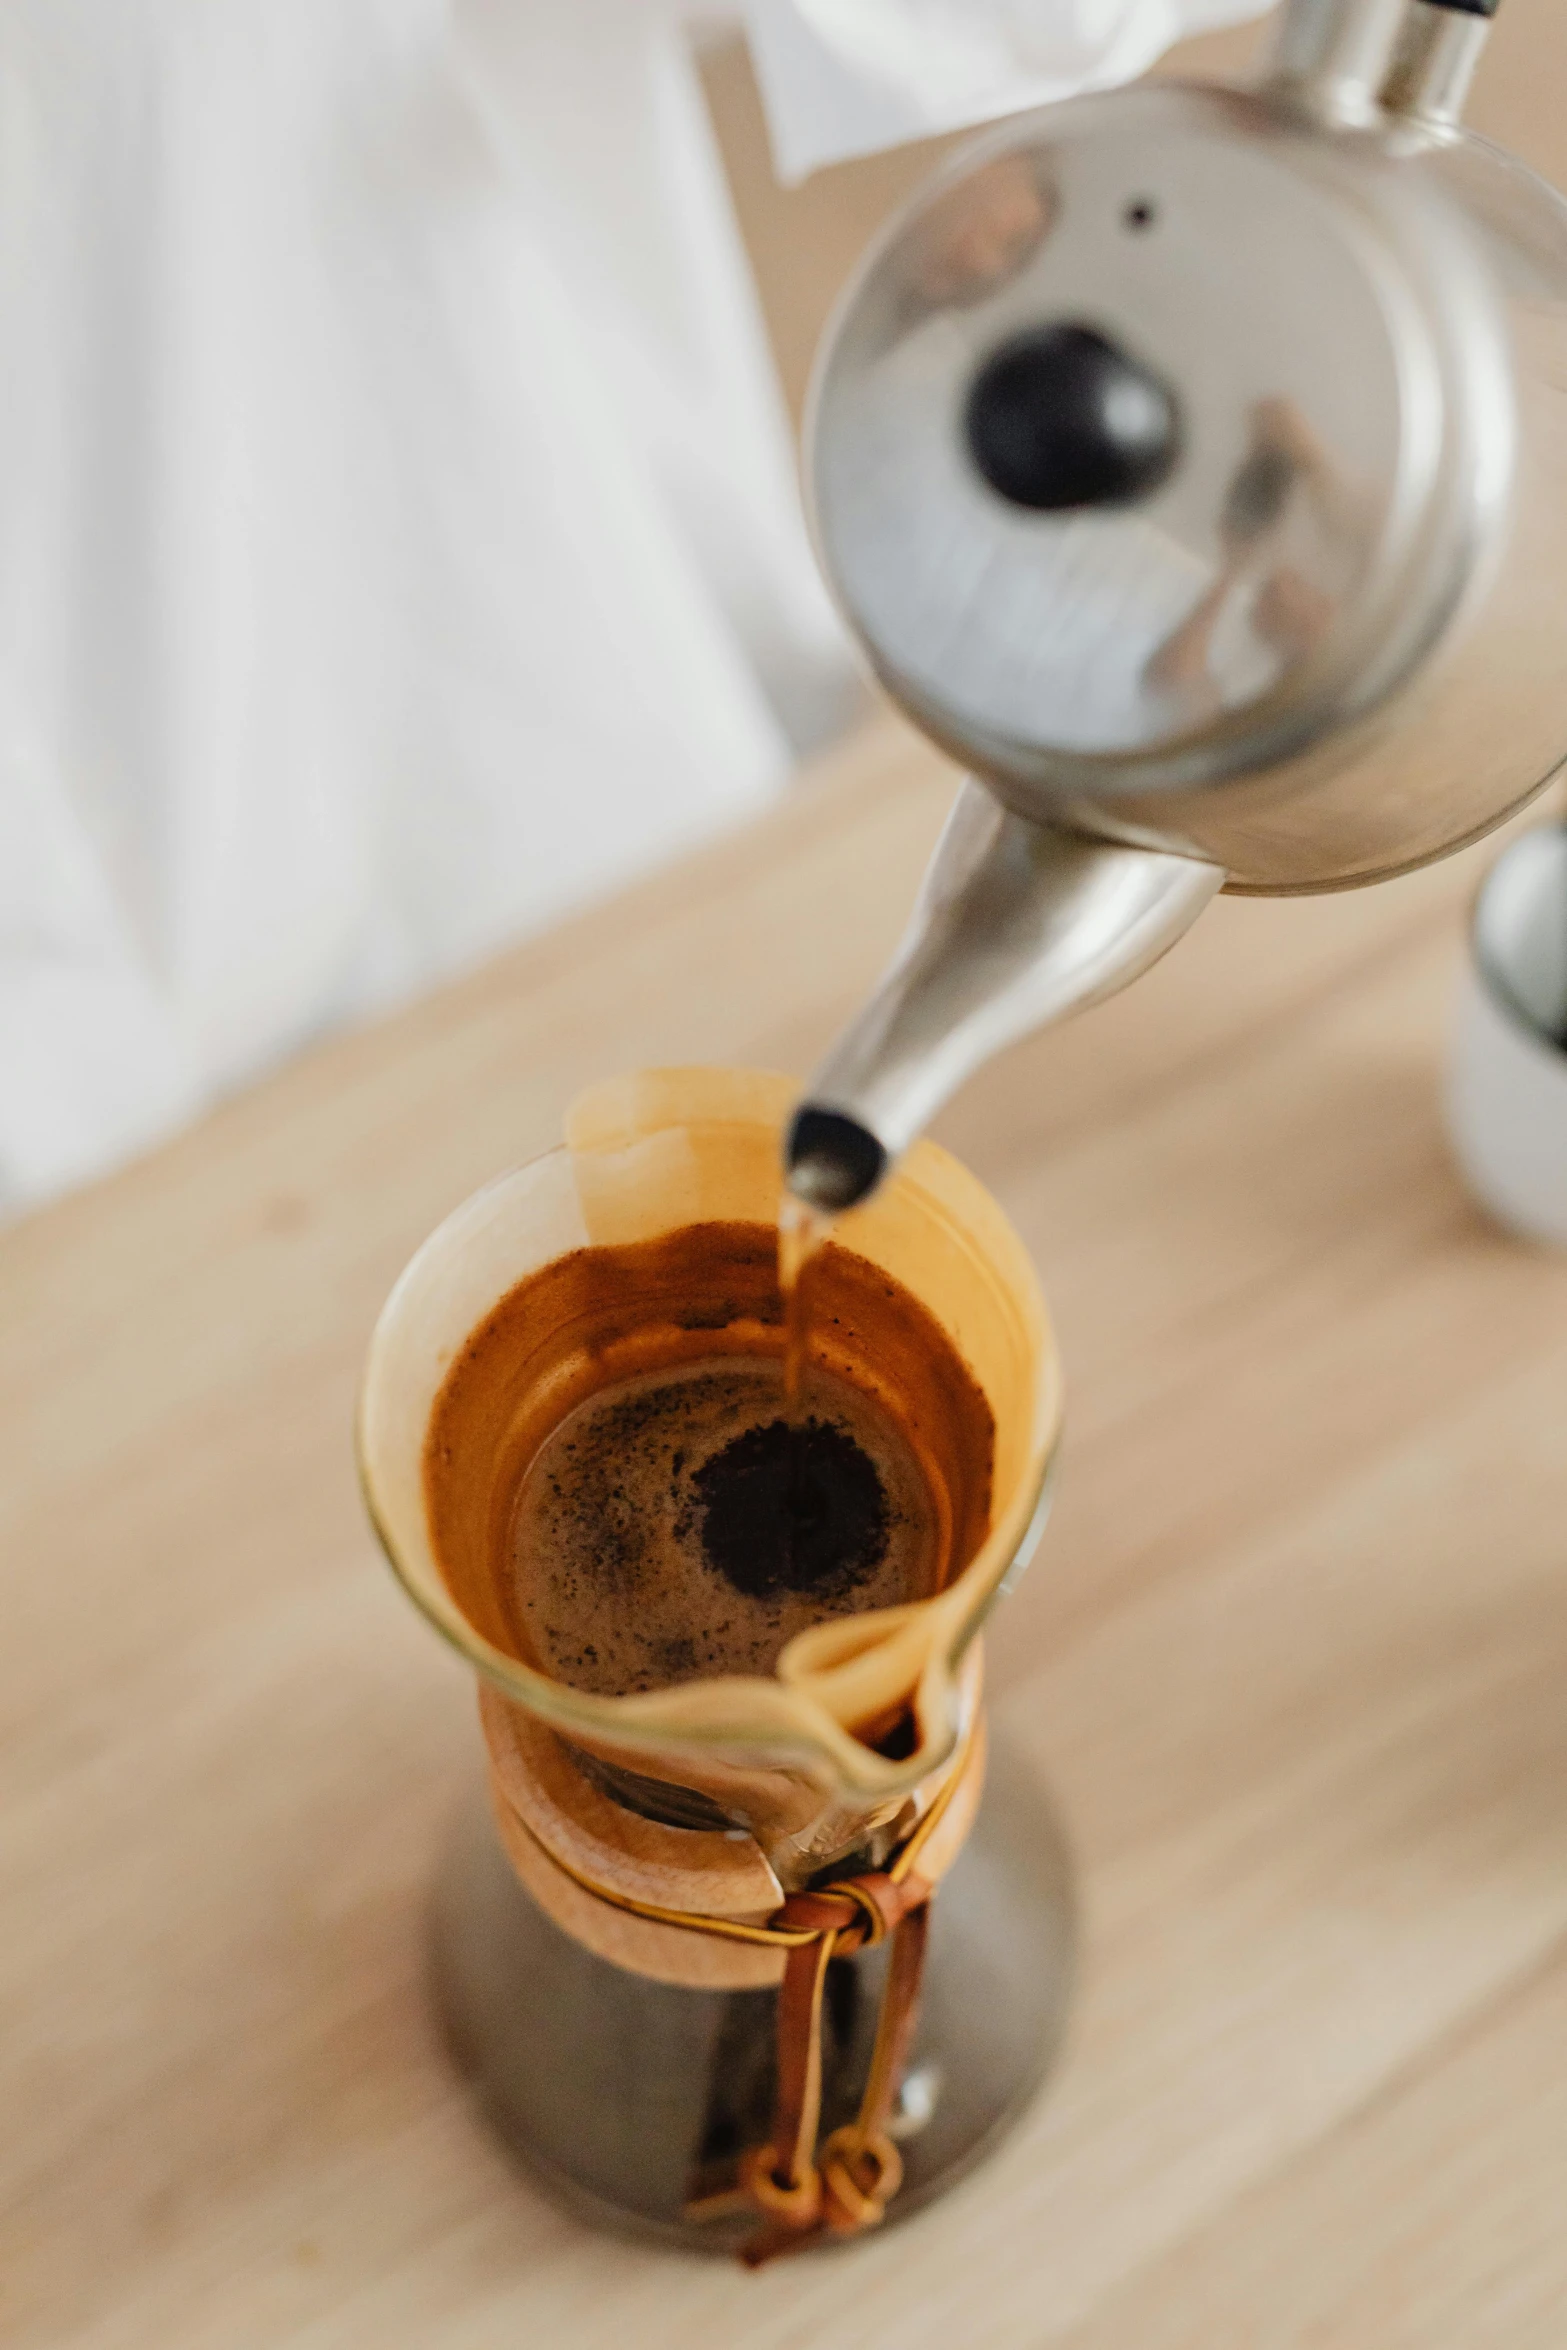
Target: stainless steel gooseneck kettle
[[1192, 464]]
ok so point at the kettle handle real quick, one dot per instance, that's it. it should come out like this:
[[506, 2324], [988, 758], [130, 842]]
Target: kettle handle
[[1433, 64], [1348, 59]]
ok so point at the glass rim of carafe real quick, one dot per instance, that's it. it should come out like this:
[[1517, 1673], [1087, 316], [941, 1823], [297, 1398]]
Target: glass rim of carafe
[[639, 1720]]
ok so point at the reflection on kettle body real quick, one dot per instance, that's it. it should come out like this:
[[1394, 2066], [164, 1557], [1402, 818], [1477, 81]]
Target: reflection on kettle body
[[1286, 468], [983, 234]]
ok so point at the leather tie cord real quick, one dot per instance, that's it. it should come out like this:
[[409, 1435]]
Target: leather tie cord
[[802, 2191], [799, 2190]]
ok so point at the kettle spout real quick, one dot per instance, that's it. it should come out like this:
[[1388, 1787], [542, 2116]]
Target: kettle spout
[[1017, 924]]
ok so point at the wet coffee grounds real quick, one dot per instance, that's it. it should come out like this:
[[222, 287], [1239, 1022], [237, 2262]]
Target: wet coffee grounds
[[675, 1527], [799, 1509]]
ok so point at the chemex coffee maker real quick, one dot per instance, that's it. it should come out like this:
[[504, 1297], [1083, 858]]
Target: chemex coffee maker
[[1191, 463]]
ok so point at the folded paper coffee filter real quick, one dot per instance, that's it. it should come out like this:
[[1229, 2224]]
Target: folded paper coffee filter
[[646, 1156]]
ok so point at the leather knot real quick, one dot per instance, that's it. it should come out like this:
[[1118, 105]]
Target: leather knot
[[827, 1912], [858, 1912], [861, 2171], [880, 1902], [796, 2202]]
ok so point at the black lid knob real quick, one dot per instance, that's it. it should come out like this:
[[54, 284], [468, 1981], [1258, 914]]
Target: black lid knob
[[1059, 417]]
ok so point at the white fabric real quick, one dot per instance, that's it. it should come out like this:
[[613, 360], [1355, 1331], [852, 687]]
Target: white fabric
[[398, 534], [843, 77]]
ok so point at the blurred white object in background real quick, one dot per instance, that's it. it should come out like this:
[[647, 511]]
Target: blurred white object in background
[[842, 77], [399, 530], [400, 540], [1507, 1081]]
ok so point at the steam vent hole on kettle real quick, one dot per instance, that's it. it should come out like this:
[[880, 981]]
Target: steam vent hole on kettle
[[620, 1496]]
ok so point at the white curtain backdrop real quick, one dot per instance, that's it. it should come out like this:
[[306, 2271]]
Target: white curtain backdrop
[[398, 534]]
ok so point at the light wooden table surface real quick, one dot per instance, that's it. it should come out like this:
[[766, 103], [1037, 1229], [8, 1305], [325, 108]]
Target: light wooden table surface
[[1294, 1657]]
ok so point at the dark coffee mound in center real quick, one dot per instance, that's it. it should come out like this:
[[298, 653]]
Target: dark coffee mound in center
[[797, 1509], [662, 1533]]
